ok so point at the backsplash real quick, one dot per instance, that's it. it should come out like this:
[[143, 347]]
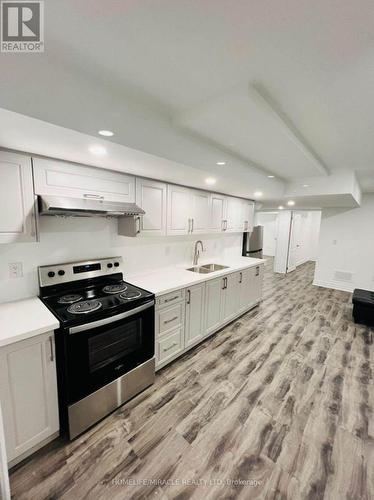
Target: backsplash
[[64, 240]]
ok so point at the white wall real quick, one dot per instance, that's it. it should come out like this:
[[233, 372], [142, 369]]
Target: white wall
[[269, 221], [346, 247], [64, 240]]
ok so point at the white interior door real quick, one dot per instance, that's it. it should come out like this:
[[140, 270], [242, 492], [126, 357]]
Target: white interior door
[[283, 240], [295, 250]]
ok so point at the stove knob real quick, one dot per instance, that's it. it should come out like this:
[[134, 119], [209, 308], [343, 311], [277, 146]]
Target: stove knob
[[110, 265], [116, 264], [61, 272], [51, 274]]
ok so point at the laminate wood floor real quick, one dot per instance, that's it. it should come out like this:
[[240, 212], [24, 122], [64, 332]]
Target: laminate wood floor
[[277, 405]]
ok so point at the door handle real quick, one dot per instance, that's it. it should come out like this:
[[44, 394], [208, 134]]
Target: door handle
[[188, 296]]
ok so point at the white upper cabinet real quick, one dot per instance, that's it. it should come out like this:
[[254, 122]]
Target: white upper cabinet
[[247, 217], [234, 213], [53, 177], [17, 203], [217, 213], [151, 197], [200, 211], [179, 210]]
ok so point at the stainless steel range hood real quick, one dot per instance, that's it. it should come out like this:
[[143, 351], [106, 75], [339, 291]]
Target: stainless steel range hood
[[86, 207]]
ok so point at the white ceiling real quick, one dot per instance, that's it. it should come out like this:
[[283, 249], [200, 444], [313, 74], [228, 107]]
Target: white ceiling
[[171, 78]]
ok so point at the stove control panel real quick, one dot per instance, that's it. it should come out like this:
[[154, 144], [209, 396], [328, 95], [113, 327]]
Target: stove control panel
[[73, 271]]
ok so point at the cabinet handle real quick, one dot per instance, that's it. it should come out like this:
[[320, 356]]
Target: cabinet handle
[[241, 278], [258, 271], [170, 347], [223, 283], [225, 226], [188, 296], [51, 356], [189, 226], [246, 224], [138, 225], [170, 320], [192, 221], [172, 298], [93, 196]]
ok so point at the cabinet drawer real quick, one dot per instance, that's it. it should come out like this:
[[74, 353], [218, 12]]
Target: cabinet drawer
[[170, 345], [170, 318], [170, 298]]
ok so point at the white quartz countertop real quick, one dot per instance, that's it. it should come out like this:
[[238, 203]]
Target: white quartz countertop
[[173, 278], [23, 319]]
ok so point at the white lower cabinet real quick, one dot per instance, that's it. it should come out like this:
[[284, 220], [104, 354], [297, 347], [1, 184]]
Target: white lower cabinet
[[194, 326], [213, 300], [185, 317], [28, 393], [230, 297]]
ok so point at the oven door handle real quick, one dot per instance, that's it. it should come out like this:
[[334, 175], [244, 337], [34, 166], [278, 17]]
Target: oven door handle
[[112, 319]]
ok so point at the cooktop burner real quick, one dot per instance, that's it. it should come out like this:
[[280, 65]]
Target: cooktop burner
[[84, 307], [133, 294], [121, 287], [70, 299]]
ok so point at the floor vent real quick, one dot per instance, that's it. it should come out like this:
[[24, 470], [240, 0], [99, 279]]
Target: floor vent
[[343, 276]]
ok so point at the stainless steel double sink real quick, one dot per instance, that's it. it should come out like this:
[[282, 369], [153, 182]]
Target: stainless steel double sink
[[207, 268]]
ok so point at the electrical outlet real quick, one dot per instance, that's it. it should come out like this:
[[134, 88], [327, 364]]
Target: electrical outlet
[[15, 270]]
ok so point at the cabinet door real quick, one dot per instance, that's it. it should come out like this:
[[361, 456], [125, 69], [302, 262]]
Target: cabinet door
[[179, 210], [200, 205], [213, 303], [230, 306], [17, 214], [255, 285], [194, 331], [245, 293], [56, 178], [151, 197], [247, 215], [28, 392], [234, 214], [217, 212]]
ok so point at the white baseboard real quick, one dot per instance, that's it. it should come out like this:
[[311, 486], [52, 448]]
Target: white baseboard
[[335, 285]]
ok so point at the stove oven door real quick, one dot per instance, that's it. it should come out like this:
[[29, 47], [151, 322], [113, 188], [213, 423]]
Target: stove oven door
[[101, 351]]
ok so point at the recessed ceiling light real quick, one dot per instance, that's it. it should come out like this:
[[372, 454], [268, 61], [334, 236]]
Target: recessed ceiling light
[[305, 185], [271, 176], [290, 203], [221, 163], [210, 180], [97, 150], [281, 207], [106, 133], [258, 193]]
